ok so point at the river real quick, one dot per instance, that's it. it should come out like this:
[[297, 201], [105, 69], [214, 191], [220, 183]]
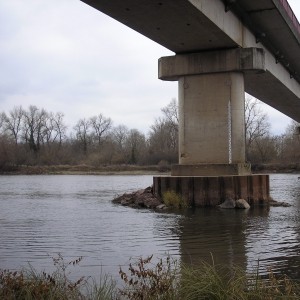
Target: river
[[41, 216]]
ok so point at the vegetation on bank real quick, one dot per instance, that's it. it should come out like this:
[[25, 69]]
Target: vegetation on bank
[[163, 168], [146, 280], [37, 138], [85, 170]]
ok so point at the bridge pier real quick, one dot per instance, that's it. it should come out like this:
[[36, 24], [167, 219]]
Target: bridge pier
[[212, 127]]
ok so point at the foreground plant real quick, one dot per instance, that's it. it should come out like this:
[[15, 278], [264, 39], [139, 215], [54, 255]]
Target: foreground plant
[[146, 280], [219, 282], [30, 284], [150, 281]]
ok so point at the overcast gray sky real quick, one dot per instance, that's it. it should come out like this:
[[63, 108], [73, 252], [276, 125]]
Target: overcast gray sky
[[63, 55]]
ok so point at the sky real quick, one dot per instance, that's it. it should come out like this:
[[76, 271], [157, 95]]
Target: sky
[[65, 56]]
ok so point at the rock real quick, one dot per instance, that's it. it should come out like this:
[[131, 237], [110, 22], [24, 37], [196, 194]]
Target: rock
[[279, 204], [241, 203], [161, 207], [228, 203], [139, 199]]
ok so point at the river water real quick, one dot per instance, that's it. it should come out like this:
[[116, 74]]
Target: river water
[[41, 216]]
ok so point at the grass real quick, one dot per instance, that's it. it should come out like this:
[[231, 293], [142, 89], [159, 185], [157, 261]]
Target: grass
[[145, 280], [173, 199]]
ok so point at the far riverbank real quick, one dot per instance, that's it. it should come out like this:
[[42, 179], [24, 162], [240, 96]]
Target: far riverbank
[[129, 169]]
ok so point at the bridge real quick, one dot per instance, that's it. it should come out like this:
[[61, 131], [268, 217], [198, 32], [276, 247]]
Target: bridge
[[222, 49]]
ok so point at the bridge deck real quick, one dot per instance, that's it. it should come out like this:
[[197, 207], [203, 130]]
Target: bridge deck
[[186, 26]]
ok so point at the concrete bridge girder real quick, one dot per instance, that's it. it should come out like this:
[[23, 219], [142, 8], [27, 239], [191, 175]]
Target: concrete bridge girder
[[191, 26]]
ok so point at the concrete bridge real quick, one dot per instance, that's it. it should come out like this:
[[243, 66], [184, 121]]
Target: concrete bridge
[[223, 48]]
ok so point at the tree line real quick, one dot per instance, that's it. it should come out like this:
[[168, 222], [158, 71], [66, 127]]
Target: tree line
[[35, 136]]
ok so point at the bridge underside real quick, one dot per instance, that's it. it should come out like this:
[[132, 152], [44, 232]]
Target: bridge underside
[[218, 58], [189, 26]]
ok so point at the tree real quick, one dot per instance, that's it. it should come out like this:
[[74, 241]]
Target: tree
[[100, 126], [12, 123], [163, 135], [34, 125], [257, 125], [135, 146], [82, 133], [54, 129], [291, 143]]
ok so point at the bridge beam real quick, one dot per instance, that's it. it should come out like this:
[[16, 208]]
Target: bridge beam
[[211, 109]]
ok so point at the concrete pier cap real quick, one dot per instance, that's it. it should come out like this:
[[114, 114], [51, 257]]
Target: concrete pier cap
[[211, 98]]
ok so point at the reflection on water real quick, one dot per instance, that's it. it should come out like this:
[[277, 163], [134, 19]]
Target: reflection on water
[[73, 215]]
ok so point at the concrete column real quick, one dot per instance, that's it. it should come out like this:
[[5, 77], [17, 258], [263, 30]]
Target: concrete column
[[211, 109], [212, 164], [211, 114], [211, 128]]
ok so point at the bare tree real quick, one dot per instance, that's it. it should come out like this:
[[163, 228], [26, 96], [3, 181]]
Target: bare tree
[[257, 125], [291, 143], [163, 135], [34, 125], [171, 114], [82, 133], [12, 123], [135, 146], [100, 126], [54, 129]]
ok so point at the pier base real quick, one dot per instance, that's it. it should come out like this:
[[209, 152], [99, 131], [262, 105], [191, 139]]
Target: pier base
[[202, 191]]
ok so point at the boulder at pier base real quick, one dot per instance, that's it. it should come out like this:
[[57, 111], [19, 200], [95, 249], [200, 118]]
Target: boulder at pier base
[[199, 191]]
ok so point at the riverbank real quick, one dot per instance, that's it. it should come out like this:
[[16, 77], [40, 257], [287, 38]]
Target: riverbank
[[147, 280], [85, 170], [129, 169]]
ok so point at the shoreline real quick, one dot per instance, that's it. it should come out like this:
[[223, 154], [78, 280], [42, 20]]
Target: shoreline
[[85, 170], [129, 170]]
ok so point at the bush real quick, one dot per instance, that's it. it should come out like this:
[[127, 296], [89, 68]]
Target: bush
[[147, 281], [172, 199], [30, 284]]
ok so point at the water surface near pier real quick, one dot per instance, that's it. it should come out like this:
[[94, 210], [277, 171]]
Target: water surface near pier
[[41, 216]]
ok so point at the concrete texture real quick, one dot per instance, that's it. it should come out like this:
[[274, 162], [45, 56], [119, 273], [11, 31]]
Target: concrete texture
[[211, 119], [211, 169]]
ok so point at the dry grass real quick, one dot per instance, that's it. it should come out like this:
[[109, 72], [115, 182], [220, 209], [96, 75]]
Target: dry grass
[[144, 280]]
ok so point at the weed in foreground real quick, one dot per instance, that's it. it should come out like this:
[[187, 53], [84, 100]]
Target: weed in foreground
[[163, 280], [150, 281], [30, 284]]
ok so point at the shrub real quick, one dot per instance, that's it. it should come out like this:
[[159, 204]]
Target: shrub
[[148, 281], [172, 199]]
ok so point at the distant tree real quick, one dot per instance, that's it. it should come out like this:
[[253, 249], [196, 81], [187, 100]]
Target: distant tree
[[163, 135], [119, 135], [135, 146], [171, 114], [290, 149], [12, 123], [82, 128], [34, 125], [257, 125], [100, 126], [54, 129]]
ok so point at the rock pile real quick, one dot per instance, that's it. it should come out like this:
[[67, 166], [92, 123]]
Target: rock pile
[[140, 199]]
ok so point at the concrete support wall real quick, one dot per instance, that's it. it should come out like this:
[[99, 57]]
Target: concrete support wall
[[211, 114]]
